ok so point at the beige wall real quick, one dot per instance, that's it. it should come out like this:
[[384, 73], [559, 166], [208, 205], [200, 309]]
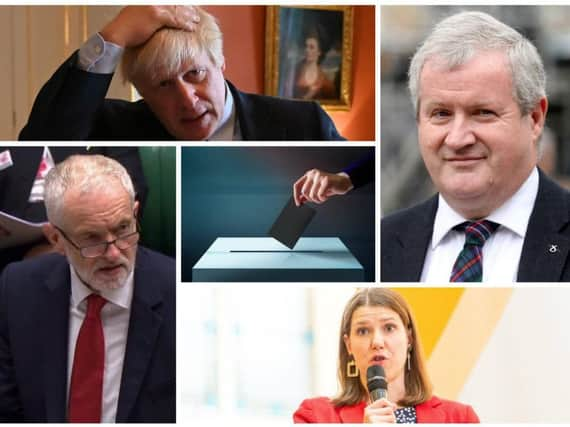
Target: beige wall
[[35, 40]]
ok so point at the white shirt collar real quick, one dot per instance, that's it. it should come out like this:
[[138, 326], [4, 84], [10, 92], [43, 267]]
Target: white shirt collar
[[514, 214], [122, 296], [226, 129]]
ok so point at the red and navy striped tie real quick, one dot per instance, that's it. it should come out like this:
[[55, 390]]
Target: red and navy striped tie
[[469, 264]]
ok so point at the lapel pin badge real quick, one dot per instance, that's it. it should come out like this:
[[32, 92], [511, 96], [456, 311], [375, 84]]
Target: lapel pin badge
[[553, 248]]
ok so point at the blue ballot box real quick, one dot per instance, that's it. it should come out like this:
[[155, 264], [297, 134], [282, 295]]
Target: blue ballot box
[[264, 259]]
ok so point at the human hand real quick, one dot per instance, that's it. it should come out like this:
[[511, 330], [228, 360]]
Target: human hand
[[134, 25], [318, 186], [380, 412]]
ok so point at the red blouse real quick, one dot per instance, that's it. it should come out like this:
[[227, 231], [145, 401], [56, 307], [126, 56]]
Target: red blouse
[[435, 410]]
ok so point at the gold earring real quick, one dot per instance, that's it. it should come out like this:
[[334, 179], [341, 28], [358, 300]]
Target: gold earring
[[352, 369]]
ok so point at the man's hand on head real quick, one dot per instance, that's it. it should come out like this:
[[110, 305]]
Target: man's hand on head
[[134, 25]]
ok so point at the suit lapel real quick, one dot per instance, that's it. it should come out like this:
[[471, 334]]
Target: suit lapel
[[413, 242], [545, 248], [54, 321], [253, 122], [144, 327], [429, 412]]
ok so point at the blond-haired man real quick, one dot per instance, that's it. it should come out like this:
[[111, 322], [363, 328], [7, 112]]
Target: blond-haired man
[[174, 57]]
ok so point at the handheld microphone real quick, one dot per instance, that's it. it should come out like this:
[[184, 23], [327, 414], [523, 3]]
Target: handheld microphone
[[376, 382]]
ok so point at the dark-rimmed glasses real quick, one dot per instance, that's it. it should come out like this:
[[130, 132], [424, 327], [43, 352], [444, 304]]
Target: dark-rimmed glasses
[[99, 249]]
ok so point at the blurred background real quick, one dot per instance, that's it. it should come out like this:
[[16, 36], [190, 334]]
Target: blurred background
[[250, 354], [404, 178], [240, 192], [35, 40]]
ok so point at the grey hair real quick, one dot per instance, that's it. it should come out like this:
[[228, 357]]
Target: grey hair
[[456, 39], [85, 173], [166, 52]]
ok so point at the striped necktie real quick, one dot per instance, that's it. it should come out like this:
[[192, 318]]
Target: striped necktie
[[469, 264]]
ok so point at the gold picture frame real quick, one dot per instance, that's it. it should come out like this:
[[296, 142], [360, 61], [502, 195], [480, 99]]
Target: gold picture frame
[[294, 37]]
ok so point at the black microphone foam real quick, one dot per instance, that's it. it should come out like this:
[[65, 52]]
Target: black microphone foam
[[376, 382]]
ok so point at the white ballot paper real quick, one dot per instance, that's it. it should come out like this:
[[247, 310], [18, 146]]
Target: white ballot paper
[[19, 231]]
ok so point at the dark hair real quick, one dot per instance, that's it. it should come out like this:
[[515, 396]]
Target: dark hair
[[318, 33], [417, 384]]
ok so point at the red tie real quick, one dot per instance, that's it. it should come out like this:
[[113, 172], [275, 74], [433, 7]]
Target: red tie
[[86, 390]]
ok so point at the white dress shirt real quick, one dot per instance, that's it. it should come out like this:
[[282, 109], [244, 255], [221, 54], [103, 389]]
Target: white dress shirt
[[115, 317], [501, 252], [99, 56]]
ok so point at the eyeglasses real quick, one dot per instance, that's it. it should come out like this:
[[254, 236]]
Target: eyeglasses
[[99, 249]]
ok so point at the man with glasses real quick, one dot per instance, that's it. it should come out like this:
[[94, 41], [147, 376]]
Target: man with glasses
[[22, 173], [88, 334]]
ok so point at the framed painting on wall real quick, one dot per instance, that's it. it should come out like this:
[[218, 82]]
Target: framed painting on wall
[[308, 54]]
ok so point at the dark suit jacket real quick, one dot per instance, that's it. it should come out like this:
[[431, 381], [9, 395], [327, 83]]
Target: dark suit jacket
[[72, 106], [34, 328], [435, 410], [16, 184], [405, 237], [361, 172]]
